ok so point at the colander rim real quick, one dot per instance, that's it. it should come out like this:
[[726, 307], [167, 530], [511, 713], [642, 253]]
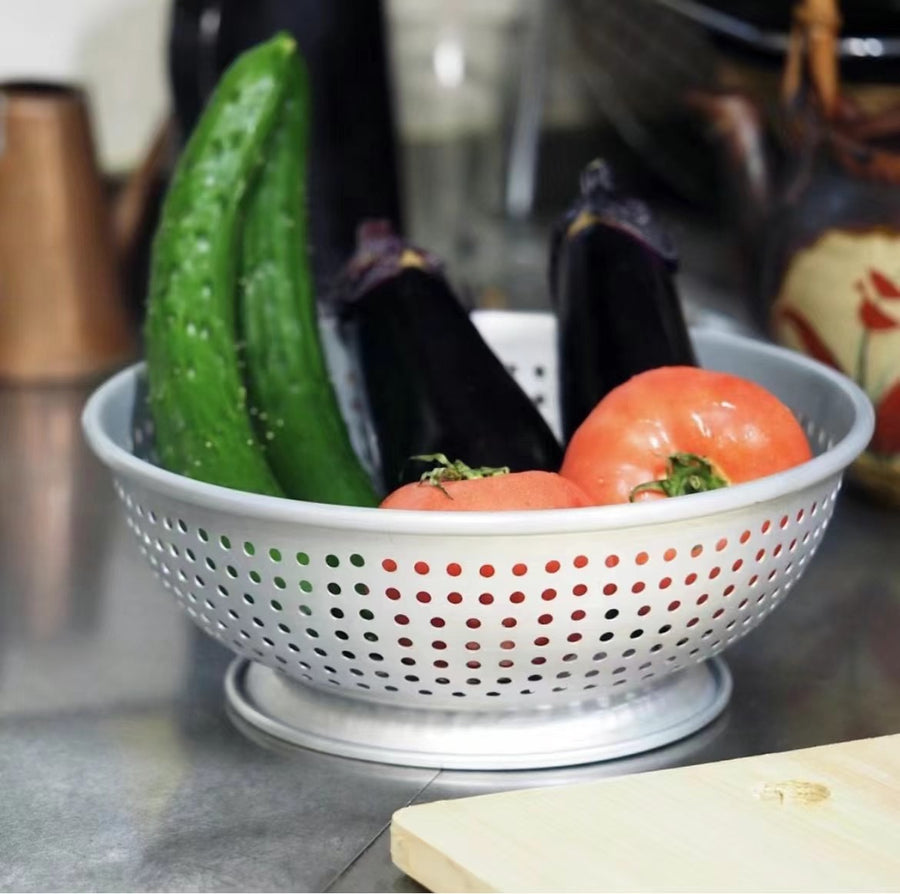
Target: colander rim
[[489, 523]]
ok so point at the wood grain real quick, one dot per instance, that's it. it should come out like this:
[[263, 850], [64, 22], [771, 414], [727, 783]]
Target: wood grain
[[818, 819]]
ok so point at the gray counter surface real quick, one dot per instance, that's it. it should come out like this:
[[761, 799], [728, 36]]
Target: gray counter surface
[[121, 771]]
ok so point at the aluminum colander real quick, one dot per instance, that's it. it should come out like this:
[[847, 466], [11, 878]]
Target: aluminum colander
[[496, 639]]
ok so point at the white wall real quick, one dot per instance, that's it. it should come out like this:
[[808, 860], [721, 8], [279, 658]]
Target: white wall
[[115, 49]]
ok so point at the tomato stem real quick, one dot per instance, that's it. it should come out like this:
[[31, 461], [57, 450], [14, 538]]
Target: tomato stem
[[686, 473], [455, 470]]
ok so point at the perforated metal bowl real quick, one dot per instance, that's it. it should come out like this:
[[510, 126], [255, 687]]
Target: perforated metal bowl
[[491, 639]]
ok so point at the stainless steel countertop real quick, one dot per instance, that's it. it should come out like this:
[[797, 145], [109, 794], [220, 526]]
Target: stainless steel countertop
[[121, 770]]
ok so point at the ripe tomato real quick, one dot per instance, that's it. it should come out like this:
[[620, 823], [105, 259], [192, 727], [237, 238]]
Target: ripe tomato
[[679, 429], [455, 487]]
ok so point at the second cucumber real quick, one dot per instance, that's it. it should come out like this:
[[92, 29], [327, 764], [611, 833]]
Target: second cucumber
[[292, 400]]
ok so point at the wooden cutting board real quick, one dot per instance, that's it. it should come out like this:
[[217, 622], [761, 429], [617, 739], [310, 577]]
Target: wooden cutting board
[[820, 819]]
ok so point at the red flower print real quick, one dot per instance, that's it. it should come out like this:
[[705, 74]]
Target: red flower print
[[885, 287], [811, 340], [874, 318]]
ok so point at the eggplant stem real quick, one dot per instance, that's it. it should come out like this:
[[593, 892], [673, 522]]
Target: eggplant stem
[[686, 473]]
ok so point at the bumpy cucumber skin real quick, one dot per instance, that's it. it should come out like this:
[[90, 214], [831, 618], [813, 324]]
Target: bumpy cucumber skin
[[196, 392], [292, 398]]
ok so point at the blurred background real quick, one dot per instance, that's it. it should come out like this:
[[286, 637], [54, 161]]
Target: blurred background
[[466, 122]]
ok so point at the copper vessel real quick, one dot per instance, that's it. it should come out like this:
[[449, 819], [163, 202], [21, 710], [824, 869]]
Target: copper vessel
[[62, 311]]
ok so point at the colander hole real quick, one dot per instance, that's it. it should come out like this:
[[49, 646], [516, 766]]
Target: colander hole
[[302, 558]]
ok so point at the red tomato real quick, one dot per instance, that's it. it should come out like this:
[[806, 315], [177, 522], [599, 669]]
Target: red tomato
[[698, 428], [455, 487]]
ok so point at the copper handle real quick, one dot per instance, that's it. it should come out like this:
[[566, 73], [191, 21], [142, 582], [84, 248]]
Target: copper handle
[[812, 58]]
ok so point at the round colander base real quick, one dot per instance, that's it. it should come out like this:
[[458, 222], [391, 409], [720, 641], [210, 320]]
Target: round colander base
[[590, 731]]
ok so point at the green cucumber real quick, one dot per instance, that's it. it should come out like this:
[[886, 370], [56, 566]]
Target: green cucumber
[[292, 399], [197, 396]]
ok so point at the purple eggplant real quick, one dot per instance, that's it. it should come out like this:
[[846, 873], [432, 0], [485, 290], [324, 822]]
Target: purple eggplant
[[612, 283], [433, 385]]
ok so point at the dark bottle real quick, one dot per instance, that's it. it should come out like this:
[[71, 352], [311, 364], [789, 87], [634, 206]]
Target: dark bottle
[[353, 155], [612, 283]]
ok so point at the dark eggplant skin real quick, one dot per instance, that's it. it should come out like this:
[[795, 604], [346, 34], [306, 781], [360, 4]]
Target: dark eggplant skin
[[612, 282], [433, 385]]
